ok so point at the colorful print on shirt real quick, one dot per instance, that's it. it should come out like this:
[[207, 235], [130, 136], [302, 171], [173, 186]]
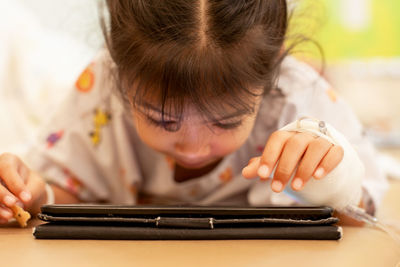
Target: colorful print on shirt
[[134, 188], [170, 162], [332, 94], [194, 192], [54, 138], [73, 184], [101, 118], [226, 175], [86, 80]]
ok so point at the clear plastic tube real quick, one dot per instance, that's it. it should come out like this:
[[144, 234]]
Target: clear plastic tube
[[338, 178], [360, 214]]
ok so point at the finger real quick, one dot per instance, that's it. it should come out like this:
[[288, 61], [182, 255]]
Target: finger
[[23, 171], [272, 152], [314, 154], [15, 184], [250, 171], [329, 162], [10, 169], [5, 214], [291, 155], [6, 197], [35, 184]]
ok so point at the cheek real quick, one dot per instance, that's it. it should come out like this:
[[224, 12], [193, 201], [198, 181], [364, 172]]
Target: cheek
[[222, 146], [154, 137], [230, 141]]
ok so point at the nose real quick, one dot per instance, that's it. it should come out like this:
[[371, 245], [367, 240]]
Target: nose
[[193, 143], [192, 150]]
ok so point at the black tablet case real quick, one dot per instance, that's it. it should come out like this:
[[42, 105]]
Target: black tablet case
[[186, 222]]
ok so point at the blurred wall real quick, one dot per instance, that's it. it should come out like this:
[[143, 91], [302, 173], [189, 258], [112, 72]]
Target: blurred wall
[[360, 40], [352, 29]]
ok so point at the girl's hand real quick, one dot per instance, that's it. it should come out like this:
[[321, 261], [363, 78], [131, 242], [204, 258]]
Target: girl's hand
[[17, 184], [313, 156]]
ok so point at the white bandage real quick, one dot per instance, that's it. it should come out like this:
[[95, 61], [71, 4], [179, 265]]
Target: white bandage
[[341, 186], [50, 194]]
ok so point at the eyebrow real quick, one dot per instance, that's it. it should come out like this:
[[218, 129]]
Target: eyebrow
[[239, 113]]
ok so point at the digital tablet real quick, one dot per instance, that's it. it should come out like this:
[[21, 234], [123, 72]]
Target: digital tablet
[[146, 222]]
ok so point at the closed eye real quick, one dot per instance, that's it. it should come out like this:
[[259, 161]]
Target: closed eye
[[228, 126], [167, 125], [172, 125]]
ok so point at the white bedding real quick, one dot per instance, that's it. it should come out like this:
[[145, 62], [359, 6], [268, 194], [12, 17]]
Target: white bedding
[[37, 67]]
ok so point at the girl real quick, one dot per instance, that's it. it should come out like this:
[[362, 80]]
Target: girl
[[203, 87]]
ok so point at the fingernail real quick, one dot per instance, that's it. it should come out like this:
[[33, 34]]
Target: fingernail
[[9, 201], [277, 186], [319, 173], [263, 171], [6, 214], [297, 184], [25, 196]]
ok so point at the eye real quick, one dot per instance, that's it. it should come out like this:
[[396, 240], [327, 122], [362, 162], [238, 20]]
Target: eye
[[171, 126], [228, 126]]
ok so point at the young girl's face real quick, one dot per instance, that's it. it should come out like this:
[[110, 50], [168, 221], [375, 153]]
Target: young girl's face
[[198, 142]]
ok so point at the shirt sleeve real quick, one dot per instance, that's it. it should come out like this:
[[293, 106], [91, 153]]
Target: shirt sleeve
[[86, 148], [308, 94]]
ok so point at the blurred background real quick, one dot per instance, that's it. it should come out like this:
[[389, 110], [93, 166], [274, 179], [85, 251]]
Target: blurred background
[[360, 41], [46, 43]]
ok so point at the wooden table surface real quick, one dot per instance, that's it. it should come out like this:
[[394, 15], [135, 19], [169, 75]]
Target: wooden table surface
[[360, 246]]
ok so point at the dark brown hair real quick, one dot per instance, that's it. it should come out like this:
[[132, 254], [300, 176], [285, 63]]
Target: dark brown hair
[[202, 51]]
